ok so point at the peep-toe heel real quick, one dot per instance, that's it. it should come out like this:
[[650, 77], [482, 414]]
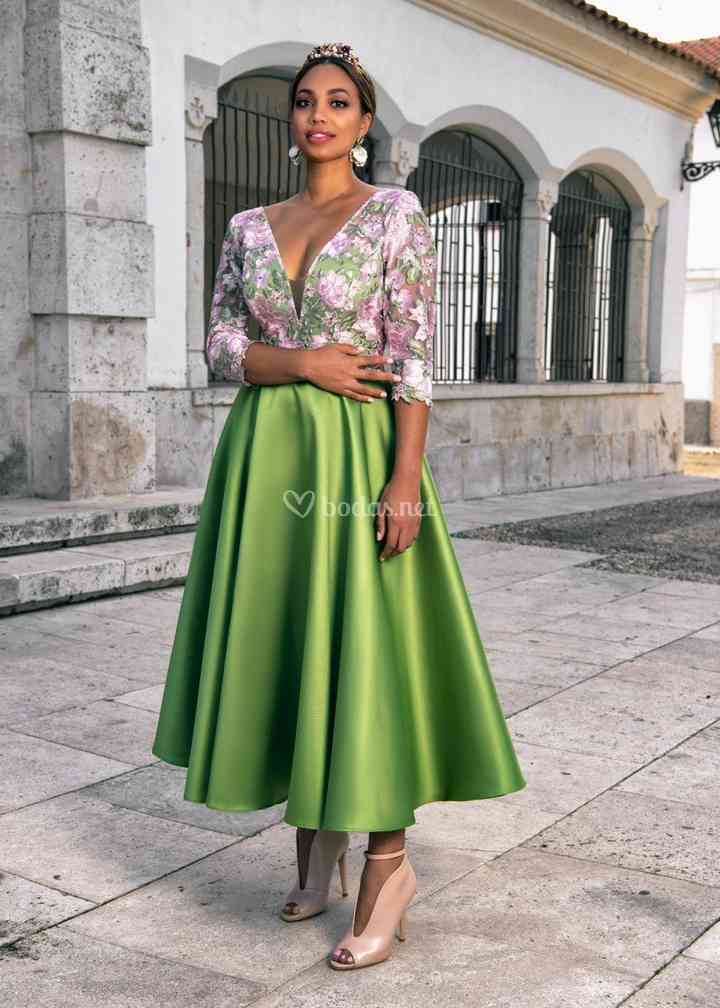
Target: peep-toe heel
[[327, 848], [387, 919]]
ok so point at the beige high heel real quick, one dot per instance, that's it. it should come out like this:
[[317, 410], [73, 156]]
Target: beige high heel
[[327, 847], [374, 943]]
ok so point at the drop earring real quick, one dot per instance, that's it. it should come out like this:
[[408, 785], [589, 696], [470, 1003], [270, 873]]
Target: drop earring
[[295, 154], [358, 155]]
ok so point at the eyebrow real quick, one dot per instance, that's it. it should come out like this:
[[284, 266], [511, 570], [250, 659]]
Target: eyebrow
[[331, 91]]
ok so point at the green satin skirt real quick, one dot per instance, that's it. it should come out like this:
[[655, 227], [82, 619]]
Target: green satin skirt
[[302, 667]]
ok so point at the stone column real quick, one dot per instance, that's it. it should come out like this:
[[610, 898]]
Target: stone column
[[91, 249], [635, 353], [538, 201], [394, 159], [16, 331], [201, 107]]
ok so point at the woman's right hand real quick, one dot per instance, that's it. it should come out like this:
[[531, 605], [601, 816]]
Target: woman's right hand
[[341, 368]]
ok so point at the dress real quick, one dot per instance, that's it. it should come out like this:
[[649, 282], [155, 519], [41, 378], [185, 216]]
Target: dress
[[303, 668]]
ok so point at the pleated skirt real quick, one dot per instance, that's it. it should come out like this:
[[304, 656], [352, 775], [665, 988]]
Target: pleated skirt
[[302, 667]]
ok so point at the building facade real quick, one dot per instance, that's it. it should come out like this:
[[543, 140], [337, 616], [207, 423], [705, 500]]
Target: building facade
[[701, 341], [544, 141]]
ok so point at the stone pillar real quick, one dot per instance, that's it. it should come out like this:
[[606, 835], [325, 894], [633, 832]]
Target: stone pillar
[[715, 401], [16, 331], [635, 353], [394, 159], [201, 107], [91, 249], [538, 201]]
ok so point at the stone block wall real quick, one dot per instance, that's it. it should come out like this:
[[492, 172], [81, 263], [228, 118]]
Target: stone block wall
[[697, 421], [714, 420], [482, 441], [536, 438]]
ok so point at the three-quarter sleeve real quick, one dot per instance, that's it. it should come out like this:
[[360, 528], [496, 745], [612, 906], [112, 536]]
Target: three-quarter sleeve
[[227, 339], [409, 309]]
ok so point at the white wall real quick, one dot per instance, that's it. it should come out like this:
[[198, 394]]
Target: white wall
[[704, 246], [674, 22], [405, 49]]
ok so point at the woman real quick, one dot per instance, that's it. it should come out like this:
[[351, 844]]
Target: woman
[[305, 665]]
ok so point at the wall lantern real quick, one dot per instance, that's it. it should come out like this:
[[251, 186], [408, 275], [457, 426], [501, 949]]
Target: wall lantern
[[693, 171]]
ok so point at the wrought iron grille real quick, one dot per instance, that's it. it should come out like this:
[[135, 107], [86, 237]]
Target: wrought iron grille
[[472, 197], [247, 163], [586, 281]]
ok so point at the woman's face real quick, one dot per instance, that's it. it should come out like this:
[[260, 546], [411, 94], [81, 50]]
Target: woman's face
[[327, 102]]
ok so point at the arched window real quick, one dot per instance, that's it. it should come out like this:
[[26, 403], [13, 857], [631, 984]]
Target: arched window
[[246, 159], [472, 196], [586, 280]]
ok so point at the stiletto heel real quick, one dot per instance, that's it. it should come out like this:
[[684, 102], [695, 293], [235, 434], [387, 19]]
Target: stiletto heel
[[342, 868], [327, 848], [388, 917]]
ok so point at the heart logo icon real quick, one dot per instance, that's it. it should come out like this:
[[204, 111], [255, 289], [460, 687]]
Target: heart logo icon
[[295, 502]]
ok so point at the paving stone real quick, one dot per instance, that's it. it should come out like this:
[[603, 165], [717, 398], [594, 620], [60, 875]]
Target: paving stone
[[32, 686], [638, 831], [515, 695], [709, 633], [149, 698], [707, 947], [478, 584], [50, 968], [638, 635], [170, 592], [557, 783], [540, 670], [28, 907], [542, 901], [682, 984], [96, 850], [158, 791], [136, 608], [232, 899], [113, 656], [688, 589], [492, 618], [547, 643], [532, 561], [72, 622], [118, 731], [690, 652], [612, 584], [665, 610], [468, 549], [32, 769], [690, 773], [633, 712], [553, 600], [430, 968]]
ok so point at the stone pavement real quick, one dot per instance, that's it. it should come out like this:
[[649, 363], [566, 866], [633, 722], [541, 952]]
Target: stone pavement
[[597, 885]]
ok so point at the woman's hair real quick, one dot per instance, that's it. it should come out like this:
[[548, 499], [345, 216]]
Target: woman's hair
[[365, 86]]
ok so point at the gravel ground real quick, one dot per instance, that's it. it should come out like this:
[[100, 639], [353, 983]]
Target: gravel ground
[[677, 537]]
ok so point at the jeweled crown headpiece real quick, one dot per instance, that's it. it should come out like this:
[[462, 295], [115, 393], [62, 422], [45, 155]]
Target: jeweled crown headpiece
[[339, 49]]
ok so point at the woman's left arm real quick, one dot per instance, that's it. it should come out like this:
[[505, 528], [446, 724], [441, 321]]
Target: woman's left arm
[[409, 322]]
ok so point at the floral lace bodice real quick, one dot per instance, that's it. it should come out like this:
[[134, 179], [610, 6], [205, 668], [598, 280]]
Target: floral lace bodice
[[372, 285]]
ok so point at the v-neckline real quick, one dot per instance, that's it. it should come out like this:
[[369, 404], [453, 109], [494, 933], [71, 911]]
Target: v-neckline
[[276, 248]]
